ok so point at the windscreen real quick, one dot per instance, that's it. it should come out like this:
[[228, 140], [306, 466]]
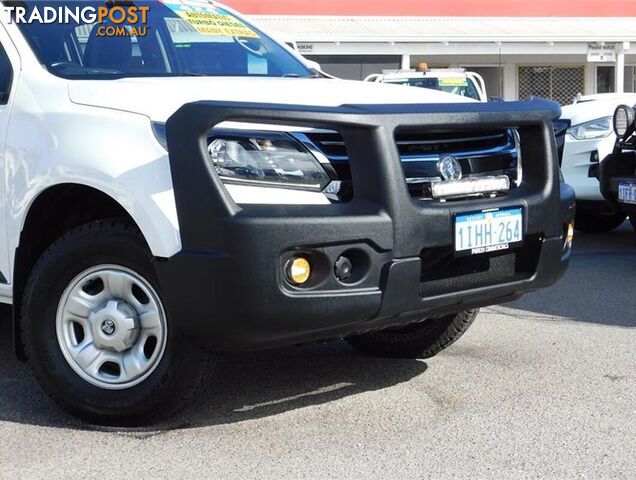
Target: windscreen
[[457, 85], [171, 38]]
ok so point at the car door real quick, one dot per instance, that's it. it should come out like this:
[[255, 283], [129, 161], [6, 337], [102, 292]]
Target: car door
[[9, 71]]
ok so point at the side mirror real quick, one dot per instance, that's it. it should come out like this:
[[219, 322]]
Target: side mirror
[[312, 64], [316, 68], [6, 77], [5, 88]]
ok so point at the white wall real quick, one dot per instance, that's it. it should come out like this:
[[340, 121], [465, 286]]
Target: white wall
[[478, 55]]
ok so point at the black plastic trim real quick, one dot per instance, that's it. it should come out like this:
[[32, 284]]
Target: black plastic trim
[[226, 286], [620, 165]]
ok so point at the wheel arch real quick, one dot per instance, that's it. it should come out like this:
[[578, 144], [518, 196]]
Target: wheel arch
[[53, 212]]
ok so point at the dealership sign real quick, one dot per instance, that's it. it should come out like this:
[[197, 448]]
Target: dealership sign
[[601, 53]]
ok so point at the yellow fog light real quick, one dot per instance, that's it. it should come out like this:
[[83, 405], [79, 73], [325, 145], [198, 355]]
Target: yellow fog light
[[298, 270], [569, 237]]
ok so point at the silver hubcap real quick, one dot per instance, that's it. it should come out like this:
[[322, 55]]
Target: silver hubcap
[[111, 327]]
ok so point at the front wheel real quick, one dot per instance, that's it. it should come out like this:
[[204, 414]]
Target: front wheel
[[418, 340], [96, 332]]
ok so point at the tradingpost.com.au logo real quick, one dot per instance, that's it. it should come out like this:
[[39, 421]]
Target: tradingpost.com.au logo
[[109, 20]]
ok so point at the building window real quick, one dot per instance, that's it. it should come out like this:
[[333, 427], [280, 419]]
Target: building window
[[605, 80], [630, 79], [559, 83]]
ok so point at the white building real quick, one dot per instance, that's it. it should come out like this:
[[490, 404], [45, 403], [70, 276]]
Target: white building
[[554, 57]]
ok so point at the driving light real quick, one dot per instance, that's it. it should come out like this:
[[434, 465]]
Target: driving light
[[624, 120], [298, 270], [273, 160], [599, 128], [517, 138], [569, 236], [470, 186]]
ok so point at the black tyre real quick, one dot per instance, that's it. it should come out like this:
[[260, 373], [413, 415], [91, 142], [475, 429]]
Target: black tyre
[[96, 334], [596, 217], [419, 340], [632, 220]]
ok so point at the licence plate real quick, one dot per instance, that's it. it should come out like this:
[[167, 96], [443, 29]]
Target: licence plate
[[627, 192], [488, 231]]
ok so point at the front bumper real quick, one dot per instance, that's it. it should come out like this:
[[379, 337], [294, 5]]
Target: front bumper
[[618, 167], [580, 164], [227, 288]]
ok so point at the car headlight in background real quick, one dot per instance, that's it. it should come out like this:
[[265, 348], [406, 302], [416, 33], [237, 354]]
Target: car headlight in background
[[624, 117], [159, 130], [267, 159], [599, 128]]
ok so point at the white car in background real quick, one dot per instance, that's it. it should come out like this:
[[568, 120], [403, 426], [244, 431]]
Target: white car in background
[[585, 136], [450, 80]]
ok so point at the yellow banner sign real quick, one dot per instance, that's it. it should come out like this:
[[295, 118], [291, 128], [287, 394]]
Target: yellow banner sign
[[212, 21], [453, 82]]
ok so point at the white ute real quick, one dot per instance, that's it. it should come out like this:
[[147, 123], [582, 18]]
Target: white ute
[[122, 260], [457, 81], [585, 136], [81, 126]]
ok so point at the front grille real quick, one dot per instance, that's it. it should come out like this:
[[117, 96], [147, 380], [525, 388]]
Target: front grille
[[416, 145], [443, 273], [419, 145], [331, 144], [480, 153]]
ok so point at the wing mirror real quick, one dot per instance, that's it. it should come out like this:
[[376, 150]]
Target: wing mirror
[[312, 64]]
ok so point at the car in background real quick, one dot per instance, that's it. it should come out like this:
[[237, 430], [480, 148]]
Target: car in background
[[450, 80], [618, 170], [585, 136]]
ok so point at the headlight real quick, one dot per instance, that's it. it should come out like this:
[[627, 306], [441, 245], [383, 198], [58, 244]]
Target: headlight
[[269, 159], [624, 120], [599, 128], [261, 159]]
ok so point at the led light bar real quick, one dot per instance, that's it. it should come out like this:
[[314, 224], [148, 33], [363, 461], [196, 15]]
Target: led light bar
[[470, 186]]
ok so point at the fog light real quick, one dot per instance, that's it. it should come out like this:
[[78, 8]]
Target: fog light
[[343, 268], [298, 270], [569, 236]]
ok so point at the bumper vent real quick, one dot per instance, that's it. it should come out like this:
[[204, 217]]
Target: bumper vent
[[443, 273]]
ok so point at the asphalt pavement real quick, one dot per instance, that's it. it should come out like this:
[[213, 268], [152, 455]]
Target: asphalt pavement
[[541, 388]]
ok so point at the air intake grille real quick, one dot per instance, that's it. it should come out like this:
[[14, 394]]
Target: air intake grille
[[443, 273], [449, 143], [466, 274]]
